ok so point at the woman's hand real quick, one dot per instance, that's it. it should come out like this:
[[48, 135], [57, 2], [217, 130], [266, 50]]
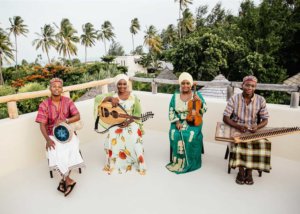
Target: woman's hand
[[114, 101], [125, 123], [196, 97], [179, 126]]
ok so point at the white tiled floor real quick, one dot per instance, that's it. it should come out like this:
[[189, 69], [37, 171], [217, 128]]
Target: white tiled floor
[[208, 190]]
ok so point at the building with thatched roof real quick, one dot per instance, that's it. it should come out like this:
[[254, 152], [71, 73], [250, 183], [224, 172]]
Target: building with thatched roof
[[217, 91], [294, 80]]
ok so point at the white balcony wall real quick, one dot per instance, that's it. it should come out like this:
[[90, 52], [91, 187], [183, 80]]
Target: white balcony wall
[[22, 144]]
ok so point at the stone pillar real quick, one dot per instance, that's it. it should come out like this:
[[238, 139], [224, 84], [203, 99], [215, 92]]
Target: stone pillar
[[12, 110], [230, 92], [294, 100], [154, 87]]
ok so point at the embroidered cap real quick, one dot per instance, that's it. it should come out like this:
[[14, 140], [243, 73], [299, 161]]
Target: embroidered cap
[[53, 80], [249, 78]]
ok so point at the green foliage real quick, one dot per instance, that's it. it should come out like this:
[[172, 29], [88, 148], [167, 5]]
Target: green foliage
[[30, 105], [5, 90], [108, 58]]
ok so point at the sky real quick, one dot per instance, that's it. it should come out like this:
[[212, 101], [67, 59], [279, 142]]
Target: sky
[[36, 14]]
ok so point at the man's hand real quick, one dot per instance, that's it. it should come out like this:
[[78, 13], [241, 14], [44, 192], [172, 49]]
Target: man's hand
[[50, 145], [253, 129], [242, 128]]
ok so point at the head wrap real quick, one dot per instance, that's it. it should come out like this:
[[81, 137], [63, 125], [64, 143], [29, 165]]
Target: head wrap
[[249, 78], [185, 76], [121, 77], [53, 80]]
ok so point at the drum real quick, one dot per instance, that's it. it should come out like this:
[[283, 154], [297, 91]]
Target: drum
[[63, 133]]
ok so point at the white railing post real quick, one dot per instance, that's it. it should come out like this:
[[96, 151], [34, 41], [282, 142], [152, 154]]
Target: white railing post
[[130, 85], [12, 110], [230, 92], [294, 100], [154, 87], [66, 94], [104, 89]]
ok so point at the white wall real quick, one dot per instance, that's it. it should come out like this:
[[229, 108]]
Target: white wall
[[22, 144]]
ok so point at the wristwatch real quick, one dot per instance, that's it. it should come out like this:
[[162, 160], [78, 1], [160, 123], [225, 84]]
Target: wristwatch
[[67, 121]]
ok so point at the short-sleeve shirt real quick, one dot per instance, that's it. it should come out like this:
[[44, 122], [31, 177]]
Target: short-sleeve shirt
[[49, 116], [241, 113]]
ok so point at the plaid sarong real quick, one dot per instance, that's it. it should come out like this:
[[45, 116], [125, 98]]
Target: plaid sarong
[[252, 155]]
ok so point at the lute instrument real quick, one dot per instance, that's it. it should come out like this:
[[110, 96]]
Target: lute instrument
[[115, 116]]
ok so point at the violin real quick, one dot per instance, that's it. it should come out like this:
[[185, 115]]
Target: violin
[[194, 118]]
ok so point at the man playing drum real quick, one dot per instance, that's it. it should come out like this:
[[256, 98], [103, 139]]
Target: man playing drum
[[63, 157]]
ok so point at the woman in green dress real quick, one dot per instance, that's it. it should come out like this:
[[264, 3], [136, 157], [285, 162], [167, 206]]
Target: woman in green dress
[[186, 140], [123, 145]]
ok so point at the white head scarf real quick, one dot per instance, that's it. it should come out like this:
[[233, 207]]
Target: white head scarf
[[121, 77], [185, 76]]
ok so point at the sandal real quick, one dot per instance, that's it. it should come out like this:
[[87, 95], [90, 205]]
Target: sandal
[[249, 180], [61, 186], [240, 178], [70, 188]]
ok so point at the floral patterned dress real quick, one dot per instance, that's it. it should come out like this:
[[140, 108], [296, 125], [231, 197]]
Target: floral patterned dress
[[186, 144], [124, 146]]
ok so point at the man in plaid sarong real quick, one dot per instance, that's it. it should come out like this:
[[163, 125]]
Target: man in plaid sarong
[[247, 112]]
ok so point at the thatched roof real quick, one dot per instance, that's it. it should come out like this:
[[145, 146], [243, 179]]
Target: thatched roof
[[294, 80], [216, 91], [167, 74]]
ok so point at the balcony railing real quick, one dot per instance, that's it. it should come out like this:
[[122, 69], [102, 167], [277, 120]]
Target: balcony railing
[[12, 100]]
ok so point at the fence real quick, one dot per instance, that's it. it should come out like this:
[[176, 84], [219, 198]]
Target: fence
[[12, 100]]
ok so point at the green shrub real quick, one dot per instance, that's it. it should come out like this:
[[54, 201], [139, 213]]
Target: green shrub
[[30, 105], [5, 90]]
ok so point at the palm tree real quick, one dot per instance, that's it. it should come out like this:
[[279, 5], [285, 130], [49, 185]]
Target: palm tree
[[46, 39], [17, 27], [182, 4], [187, 24], [169, 36], [116, 49], [88, 37], [5, 51], [66, 39], [134, 28], [152, 40], [106, 33]]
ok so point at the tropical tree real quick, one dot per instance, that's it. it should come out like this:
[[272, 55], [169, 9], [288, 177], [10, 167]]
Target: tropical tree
[[88, 37], [152, 40], [134, 28], [169, 36], [45, 40], [106, 33], [182, 5], [17, 27], [5, 51], [115, 49], [138, 50], [66, 39], [187, 24]]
